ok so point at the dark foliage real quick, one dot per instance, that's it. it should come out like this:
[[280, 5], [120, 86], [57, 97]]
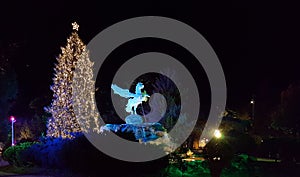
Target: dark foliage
[[15, 154], [77, 156]]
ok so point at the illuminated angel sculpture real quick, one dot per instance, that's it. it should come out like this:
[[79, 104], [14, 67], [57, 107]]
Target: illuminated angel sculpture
[[142, 130], [135, 99]]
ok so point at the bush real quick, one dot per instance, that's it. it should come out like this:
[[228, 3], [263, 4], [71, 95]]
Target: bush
[[15, 154], [47, 153], [76, 156], [57, 153], [51, 153], [79, 156], [239, 162]]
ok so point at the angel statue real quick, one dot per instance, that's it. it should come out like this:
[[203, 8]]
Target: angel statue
[[137, 125], [135, 99]]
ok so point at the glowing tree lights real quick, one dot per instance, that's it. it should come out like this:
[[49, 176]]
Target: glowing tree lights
[[84, 94], [63, 121]]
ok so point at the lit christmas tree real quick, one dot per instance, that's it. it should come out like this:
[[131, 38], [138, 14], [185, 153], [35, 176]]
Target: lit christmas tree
[[63, 121], [84, 94]]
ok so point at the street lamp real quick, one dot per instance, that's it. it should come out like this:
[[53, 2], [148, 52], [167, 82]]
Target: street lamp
[[13, 120], [252, 102], [217, 134]]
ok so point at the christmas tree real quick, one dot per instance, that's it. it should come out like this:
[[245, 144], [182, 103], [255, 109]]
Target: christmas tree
[[84, 94], [63, 121]]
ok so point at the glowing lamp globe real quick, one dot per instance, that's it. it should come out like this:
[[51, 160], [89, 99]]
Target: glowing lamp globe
[[217, 134], [12, 119]]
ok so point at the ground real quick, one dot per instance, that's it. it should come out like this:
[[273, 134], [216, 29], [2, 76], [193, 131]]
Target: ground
[[261, 169]]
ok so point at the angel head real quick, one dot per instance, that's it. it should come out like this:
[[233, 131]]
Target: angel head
[[139, 86], [138, 90]]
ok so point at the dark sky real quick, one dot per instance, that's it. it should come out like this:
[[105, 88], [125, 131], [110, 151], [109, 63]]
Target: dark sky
[[257, 44]]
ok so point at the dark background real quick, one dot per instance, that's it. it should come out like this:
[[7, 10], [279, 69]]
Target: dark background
[[257, 44]]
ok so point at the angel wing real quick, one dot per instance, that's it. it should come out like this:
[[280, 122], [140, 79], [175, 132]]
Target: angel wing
[[122, 92]]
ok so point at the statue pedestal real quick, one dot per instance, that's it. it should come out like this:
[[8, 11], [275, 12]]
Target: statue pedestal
[[134, 119], [142, 132]]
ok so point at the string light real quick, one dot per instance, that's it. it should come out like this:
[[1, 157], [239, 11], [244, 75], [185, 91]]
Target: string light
[[63, 121]]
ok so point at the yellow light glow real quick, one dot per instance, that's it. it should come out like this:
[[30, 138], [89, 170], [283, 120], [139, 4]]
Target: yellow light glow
[[202, 143], [217, 134], [63, 121], [75, 26], [189, 153]]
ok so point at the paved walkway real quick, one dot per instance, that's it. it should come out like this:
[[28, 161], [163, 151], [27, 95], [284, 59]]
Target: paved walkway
[[267, 160], [6, 174], [3, 163], [16, 175]]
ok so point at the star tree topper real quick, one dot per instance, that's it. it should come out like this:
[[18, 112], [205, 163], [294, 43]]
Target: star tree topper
[[75, 26]]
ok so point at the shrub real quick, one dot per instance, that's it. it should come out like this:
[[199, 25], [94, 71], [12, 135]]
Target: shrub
[[77, 156], [48, 152], [15, 154]]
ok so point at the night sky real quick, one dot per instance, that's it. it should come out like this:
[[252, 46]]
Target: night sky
[[257, 44]]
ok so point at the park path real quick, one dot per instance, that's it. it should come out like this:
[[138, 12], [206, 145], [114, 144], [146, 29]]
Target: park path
[[5, 163], [16, 175], [6, 174]]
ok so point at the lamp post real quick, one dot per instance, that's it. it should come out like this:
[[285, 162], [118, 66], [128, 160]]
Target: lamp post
[[252, 102], [13, 120], [217, 134]]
